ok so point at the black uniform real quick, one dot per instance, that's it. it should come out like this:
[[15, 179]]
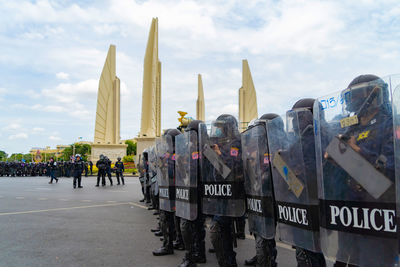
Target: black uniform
[[119, 165], [78, 167]]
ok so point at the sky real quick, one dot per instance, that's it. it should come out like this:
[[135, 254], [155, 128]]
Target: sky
[[53, 51]]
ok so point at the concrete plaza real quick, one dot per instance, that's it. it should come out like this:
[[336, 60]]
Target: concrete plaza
[[45, 224]]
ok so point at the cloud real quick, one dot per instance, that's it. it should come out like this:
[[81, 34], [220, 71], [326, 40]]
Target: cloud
[[18, 136], [54, 51], [55, 138], [62, 76], [38, 130], [12, 127]]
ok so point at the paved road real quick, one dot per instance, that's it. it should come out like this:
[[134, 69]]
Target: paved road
[[45, 224]]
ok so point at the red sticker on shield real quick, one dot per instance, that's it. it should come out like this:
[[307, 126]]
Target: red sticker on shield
[[195, 155], [173, 156], [398, 132], [266, 158], [234, 151]]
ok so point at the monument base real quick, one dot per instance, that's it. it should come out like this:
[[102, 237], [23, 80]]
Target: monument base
[[144, 142], [111, 151]]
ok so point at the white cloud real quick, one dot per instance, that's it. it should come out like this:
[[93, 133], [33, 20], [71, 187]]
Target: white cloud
[[55, 138], [295, 48], [62, 75], [37, 130], [12, 127], [18, 136]]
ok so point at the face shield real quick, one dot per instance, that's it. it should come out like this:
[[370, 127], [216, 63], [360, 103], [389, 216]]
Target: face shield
[[218, 129], [297, 120], [359, 98]]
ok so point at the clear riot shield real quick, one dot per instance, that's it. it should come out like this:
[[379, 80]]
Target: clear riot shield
[[258, 181], [152, 169], [292, 148], [141, 169], [186, 175], [396, 133], [356, 174], [165, 178], [221, 169]]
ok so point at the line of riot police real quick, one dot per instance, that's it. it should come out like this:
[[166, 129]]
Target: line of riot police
[[321, 178]]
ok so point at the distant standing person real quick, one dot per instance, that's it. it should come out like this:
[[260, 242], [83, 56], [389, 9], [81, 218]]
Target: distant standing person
[[78, 167], [108, 170], [51, 167], [86, 169], [91, 167], [120, 168]]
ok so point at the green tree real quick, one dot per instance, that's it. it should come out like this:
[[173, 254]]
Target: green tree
[[131, 149], [3, 155], [82, 149]]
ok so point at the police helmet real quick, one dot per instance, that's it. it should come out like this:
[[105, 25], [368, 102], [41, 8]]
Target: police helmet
[[365, 92], [226, 126]]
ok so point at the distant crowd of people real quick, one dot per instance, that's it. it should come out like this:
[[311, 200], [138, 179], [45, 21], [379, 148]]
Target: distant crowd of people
[[75, 167], [60, 168]]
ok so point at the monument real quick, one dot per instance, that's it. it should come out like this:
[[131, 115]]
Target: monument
[[107, 128], [200, 108], [150, 127], [247, 98]]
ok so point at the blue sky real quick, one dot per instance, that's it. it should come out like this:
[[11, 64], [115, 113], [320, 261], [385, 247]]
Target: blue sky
[[52, 53]]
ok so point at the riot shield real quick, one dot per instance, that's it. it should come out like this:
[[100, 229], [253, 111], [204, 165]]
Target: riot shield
[[186, 173], [166, 183], [152, 180], [356, 174], [258, 181], [291, 144], [222, 174], [141, 169]]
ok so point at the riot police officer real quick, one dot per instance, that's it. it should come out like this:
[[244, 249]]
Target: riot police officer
[[259, 191], [295, 182], [166, 184], [120, 168], [356, 158], [78, 168], [188, 201], [108, 169], [101, 165], [222, 180], [52, 166]]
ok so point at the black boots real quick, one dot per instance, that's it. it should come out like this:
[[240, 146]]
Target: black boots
[[163, 251], [251, 262]]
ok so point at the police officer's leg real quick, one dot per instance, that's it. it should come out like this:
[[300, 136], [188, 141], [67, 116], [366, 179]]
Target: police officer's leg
[[109, 177], [178, 244], [103, 178], [306, 258], [122, 178], [167, 225], [199, 239], [241, 225], [117, 174], [74, 181], [216, 237], [187, 228], [80, 180], [148, 194], [266, 252], [98, 178]]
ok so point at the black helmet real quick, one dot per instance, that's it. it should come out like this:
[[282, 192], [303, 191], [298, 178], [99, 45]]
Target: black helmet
[[226, 126], [301, 114], [119, 158], [365, 91], [172, 133], [193, 126]]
